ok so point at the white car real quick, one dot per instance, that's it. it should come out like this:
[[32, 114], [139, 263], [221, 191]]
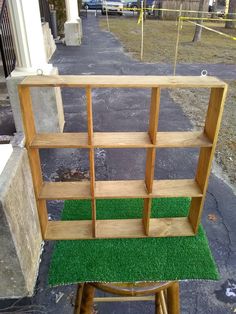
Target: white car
[[112, 6]]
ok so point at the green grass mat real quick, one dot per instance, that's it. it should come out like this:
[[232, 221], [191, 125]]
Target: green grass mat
[[128, 260]]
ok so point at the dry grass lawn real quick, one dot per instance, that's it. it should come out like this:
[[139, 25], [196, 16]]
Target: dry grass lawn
[[160, 41], [159, 46]]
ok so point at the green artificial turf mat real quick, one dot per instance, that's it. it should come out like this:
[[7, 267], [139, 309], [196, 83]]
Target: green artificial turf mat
[[125, 208], [129, 260]]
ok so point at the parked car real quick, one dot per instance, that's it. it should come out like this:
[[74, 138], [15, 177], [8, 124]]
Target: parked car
[[132, 4], [110, 6], [92, 5], [127, 3], [136, 4]]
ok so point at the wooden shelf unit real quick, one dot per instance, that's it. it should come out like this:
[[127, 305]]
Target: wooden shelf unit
[[151, 140]]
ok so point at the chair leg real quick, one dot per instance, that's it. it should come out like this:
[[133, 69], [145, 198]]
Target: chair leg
[[158, 309], [173, 304], [78, 299], [86, 306], [163, 302]]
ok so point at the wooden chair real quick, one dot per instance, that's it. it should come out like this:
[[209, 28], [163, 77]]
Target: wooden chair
[[165, 295]]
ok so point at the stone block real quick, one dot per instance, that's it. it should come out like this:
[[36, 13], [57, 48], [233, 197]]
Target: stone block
[[49, 43], [20, 235], [73, 33], [47, 106]]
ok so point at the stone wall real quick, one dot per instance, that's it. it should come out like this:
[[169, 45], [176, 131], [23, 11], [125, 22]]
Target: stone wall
[[20, 235]]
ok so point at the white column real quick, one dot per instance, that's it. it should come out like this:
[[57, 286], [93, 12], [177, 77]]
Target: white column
[[31, 60], [28, 37], [72, 12], [73, 25]]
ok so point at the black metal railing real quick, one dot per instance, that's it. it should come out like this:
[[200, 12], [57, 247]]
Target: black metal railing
[[6, 41], [45, 12]]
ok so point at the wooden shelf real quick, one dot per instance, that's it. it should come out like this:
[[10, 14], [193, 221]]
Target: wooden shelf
[[65, 190], [60, 140], [125, 81], [69, 230], [119, 189], [170, 227], [120, 140], [182, 139], [152, 140], [118, 228], [137, 189], [176, 188], [133, 228]]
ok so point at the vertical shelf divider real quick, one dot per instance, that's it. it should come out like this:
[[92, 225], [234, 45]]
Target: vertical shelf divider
[[33, 153], [212, 126], [151, 156], [91, 157]]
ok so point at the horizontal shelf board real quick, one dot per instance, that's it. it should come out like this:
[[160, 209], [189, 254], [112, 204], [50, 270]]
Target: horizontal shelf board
[[65, 190], [68, 230], [119, 228], [100, 81], [170, 227], [176, 188], [121, 189], [182, 139], [120, 140], [60, 140]]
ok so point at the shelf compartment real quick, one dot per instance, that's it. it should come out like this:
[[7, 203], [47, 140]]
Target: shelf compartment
[[118, 228], [122, 139], [121, 189], [182, 139], [60, 140], [65, 190], [176, 188]]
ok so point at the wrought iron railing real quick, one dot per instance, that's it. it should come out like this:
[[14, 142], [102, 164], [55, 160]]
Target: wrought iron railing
[[45, 12], [6, 41]]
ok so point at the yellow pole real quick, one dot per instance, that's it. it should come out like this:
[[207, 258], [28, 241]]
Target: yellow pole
[[141, 13], [226, 7], [177, 39], [108, 26]]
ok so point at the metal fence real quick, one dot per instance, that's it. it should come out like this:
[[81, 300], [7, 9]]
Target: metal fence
[[45, 12], [6, 41]]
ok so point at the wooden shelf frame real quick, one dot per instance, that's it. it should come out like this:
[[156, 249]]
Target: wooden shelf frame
[[151, 140]]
